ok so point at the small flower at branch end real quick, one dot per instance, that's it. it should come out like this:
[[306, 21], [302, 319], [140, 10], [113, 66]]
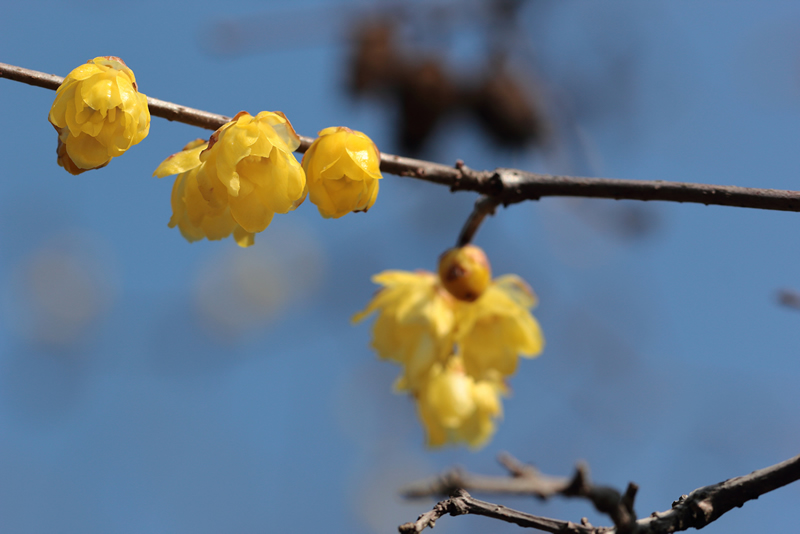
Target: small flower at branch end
[[98, 113], [343, 171]]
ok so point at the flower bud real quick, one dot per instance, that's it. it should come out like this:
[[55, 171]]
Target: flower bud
[[343, 168], [465, 272], [98, 113]]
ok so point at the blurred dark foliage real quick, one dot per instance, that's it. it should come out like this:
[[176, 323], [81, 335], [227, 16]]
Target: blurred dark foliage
[[789, 298], [426, 93], [522, 89]]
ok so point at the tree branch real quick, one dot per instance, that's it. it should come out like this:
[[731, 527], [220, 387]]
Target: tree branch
[[506, 186], [696, 510], [483, 206], [527, 480], [707, 504], [463, 503]]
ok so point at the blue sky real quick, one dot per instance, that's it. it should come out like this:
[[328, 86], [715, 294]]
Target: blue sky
[[150, 385]]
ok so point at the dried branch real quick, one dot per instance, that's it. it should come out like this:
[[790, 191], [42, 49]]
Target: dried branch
[[483, 206], [527, 480], [707, 504], [506, 186], [463, 503], [696, 510]]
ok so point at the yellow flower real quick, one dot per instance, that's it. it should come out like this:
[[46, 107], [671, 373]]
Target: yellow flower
[[99, 114], [455, 343], [191, 213], [343, 169], [249, 166], [497, 327], [456, 408], [414, 324], [238, 180]]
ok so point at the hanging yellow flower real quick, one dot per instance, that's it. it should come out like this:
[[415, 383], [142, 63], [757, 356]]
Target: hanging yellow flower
[[194, 216], [414, 324], [498, 327], [456, 408], [343, 169], [98, 113], [457, 335]]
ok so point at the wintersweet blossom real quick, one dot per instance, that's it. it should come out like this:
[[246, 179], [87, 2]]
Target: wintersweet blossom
[[343, 170], [98, 113], [249, 165], [414, 323], [194, 216], [238, 180], [498, 327], [457, 335], [456, 408]]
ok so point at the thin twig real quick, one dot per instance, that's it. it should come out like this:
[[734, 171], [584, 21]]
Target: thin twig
[[463, 503], [525, 479], [696, 510], [483, 206], [507, 186]]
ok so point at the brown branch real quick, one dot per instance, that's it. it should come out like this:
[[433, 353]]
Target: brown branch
[[483, 206], [696, 510], [463, 503], [506, 186], [527, 480], [709, 503]]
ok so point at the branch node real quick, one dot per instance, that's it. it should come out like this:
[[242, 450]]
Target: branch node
[[495, 184], [680, 501], [580, 482], [629, 496], [516, 468]]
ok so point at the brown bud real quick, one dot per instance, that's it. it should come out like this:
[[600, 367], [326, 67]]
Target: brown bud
[[465, 272]]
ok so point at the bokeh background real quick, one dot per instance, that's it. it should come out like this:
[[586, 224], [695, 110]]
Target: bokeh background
[[150, 385]]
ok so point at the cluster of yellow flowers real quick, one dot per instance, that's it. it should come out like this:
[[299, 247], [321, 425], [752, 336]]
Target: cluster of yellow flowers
[[457, 335], [246, 173], [235, 182]]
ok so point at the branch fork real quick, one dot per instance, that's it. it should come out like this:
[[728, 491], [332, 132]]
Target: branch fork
[[696, 510]]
